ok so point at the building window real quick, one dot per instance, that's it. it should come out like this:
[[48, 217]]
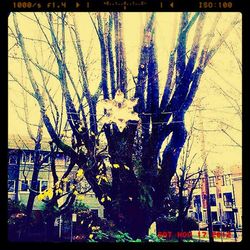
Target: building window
[[11, 186], [198, 215], [24, 157], [229, 217], [197, 201], [212, 200], [24, 185], [67, 159], [227, 180], [12, 159], [44, 185], [27, 157], [37, 186], [32, 157], [228, 199], [59, 156], [40, 185], [212, 181], [214, 216], [46, 158]]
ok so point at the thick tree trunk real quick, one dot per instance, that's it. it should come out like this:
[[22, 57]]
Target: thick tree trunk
[[131, 217], [33, 187], [50, 228]]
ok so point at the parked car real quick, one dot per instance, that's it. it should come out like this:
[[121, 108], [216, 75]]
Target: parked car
[[217, 226]]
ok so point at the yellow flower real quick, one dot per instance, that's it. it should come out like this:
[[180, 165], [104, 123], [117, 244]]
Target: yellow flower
[[66, 179], [59, 191], [80, 128], [91, 236], [102, 199], [49, 193], [80, 197], [95, 228], [79, 173], [57, 184], [105, 178], [116, 165], [126, 167], [40, 197], [75, 192]]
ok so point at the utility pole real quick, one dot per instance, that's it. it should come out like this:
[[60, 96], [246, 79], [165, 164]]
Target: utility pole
[[218, 173], [234, 208], [209, 217], [207, 193]]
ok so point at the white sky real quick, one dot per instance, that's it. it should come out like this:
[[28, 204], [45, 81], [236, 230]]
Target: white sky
[[223, 75]]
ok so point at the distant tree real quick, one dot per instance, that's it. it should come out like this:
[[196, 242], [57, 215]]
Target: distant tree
[[186, 178]]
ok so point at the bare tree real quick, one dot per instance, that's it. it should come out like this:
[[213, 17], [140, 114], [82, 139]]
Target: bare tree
[[187, 179], [131, 191]]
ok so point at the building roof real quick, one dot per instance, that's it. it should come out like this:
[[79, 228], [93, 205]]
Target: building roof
[[24, 142]]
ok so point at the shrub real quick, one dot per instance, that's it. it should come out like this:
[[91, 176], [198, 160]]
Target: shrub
[[15, 207], [171, 224], [190, 224]]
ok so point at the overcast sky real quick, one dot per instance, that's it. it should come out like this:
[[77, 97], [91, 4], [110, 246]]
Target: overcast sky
[[220, 88]]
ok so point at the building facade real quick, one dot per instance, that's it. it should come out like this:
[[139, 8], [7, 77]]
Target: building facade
[[20, 170], [225, 207]]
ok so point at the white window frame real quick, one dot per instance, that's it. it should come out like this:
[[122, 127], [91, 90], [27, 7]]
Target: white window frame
[[29, 183], [40, 186], [10, 155], [43, 155], [24, 191], [12, 192], [29, 157]]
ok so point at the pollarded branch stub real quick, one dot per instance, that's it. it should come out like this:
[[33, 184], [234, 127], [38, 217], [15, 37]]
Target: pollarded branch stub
[[119, 110]]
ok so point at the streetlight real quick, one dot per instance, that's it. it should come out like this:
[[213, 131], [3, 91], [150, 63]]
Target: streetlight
[[60, 227], [73, 219]]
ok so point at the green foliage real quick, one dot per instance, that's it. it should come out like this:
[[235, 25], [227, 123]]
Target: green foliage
[[171, 224], [154, 238], [16, 219], [122, 237], [79, 206], [15, 207], [119, 236], [112, 236]]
